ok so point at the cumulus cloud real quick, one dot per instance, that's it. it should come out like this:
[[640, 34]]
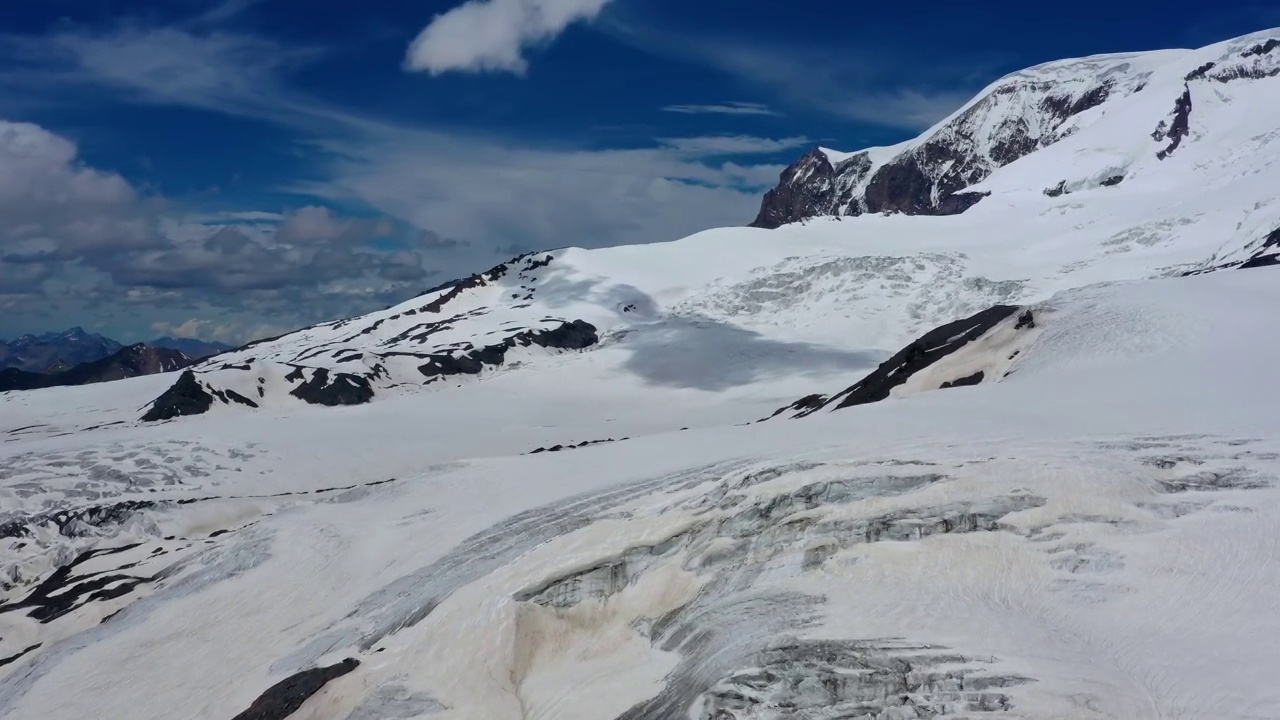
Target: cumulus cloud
[[76, 236], [52, 208], [493, 35]]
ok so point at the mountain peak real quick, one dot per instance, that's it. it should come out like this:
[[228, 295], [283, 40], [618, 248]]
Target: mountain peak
[[1131, 109]]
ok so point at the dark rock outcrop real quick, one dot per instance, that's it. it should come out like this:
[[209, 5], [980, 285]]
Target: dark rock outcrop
[[285, 697], [1179, 126], [925, 351], [343, 389], [186, 397], [1266, 255], [575, 335], [974, 379], [64, 591], [920, 354], [805, 189]]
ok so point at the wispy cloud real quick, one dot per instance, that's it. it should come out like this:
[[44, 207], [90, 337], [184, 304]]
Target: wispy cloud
[[214, 70], [727, 145], [728, 108], [858, 83], [220, 12], [493, 35]]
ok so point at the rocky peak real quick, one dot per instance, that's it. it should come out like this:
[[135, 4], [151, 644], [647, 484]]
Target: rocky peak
[[805, 189], [1020, 114]]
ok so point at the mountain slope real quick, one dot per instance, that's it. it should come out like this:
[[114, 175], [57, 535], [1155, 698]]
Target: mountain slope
[[1129, 112]]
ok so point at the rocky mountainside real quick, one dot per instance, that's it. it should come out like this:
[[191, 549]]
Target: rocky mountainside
[[1156, 93], [132, 361]]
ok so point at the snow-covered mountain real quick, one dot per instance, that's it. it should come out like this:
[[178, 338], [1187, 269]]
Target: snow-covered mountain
[[1108, 119], [1034, 471]]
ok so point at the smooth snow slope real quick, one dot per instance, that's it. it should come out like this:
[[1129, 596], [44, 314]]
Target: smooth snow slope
[[1095, 537]]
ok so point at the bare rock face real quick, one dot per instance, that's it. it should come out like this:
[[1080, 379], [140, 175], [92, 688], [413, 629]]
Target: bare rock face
[[287, 696], [331, 391], [1015, 117], [186, 397], [805, 189]]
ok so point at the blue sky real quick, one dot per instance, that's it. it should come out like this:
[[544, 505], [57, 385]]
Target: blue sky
[[234, 168]]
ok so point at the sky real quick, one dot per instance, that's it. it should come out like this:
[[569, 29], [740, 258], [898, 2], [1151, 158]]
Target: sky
[[231, 169]]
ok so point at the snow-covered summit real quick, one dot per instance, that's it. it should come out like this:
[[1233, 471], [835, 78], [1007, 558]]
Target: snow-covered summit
[[1138, 106]]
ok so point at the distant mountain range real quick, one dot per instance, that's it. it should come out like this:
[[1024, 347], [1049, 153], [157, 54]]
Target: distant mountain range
[[56, 352], [79, 357], [132, 361]]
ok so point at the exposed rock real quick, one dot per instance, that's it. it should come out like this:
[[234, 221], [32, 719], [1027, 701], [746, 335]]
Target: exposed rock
[[585, 443], [63, 592], [575, 335], [18, 655], [1200, 72], [1180, 126], [927, 350], [974, 379], [929, 177], [1266, 255], [921, 353], [285, 697], [186, 397], [805, 189], [73, 523], [1262, 48], [806, 403], [343, 389]]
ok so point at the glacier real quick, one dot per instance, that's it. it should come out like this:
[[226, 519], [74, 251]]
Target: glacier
[[361, 520]]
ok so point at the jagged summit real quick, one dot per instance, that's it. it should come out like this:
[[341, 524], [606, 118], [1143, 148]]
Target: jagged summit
[[1139, 102]]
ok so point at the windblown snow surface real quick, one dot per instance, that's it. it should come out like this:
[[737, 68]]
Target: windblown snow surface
[[1091, 532]]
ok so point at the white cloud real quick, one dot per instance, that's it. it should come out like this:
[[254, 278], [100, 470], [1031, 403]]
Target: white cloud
[[493, 35], [729, 108], [52, 207], [724, 145]]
